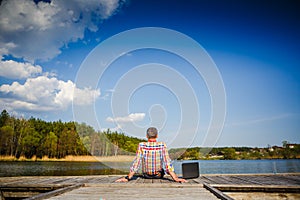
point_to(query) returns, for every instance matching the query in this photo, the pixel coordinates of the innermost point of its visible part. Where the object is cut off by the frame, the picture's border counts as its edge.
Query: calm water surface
(245, 166)
(97, 168)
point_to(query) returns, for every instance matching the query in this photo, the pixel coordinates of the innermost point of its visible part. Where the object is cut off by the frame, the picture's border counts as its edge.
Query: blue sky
(254, 45)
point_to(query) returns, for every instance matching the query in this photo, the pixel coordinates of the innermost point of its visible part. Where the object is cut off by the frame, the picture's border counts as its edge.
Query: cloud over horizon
(44, 93)
(130, 118)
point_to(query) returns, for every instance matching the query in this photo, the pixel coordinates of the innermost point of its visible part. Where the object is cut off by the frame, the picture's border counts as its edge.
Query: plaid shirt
(154, 157)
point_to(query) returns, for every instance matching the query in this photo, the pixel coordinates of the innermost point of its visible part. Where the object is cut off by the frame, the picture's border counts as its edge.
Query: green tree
(287, 153)
(4, 117)
(6, 140)
(245, 155)
(50, 145)
(31, 142)
(131, 146)
(229, 154)
(19, 127)
(284, 143)
(255, 154)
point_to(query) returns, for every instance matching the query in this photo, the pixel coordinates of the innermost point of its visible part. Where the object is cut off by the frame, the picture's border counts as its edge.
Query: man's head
(151, 133)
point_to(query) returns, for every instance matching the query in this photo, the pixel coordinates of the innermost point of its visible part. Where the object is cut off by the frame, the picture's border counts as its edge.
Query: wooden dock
(267, 186)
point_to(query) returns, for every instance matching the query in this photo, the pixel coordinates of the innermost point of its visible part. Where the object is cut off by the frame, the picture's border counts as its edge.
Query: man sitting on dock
(155, 159)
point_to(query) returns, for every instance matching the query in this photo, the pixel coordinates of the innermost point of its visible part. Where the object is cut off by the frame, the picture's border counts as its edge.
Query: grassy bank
(73, 159)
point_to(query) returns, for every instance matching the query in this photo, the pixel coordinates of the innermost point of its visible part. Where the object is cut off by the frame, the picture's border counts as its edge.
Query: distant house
(271, 149)
(276, 147)
(291, 146)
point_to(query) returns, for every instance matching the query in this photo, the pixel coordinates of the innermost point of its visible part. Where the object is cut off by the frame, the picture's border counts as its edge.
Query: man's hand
(176, 179)
(121, 180)
(181, 180)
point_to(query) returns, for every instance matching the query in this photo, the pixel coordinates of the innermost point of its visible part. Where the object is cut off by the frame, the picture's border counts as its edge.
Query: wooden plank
(245, 180)
(219, 179)
(156, 181)
(63, 180)
(217, 192)
(257, 188)
(262, 195)
(292, 179)
(17, 180)
(147, 180)
(223, 179)
(196, 181)
(25, 191)
(122, 191)
(55, 192)
(17, 195)
(92, 180)
(47, 180)
(209, 179)
(251, 179)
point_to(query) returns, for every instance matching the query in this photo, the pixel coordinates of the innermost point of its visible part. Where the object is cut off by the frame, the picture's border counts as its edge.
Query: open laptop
(190, 170)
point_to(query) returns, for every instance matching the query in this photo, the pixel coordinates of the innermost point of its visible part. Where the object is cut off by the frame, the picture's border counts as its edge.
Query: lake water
(97, 168)
(245, 166)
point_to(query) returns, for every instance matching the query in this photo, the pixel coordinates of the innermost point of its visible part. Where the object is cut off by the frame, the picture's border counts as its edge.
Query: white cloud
(130, 118)
(85, 96)
(45, 94)
(18, 70)
(38, 31)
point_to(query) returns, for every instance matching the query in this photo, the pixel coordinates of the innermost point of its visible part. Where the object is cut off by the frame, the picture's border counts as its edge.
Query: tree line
(286, 151)
(35, 137)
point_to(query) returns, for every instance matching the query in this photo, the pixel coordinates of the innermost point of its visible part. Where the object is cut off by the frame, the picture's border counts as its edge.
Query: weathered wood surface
(97, 187)
(263, 196)
(126, 191)
(267, 179)
(55, 192)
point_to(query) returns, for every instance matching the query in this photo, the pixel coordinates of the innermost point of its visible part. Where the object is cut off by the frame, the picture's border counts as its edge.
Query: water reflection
(245, 166)
(97, 168)
(57, 168)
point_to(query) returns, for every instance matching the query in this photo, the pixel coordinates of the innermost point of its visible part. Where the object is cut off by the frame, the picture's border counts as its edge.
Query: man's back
(153, 156)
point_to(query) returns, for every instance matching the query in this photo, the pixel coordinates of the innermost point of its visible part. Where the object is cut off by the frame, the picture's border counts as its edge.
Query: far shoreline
(118, 158)
(70, 158)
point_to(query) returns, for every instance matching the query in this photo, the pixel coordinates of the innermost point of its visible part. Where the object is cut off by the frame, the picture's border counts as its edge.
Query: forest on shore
(37, 138)
(33, 137)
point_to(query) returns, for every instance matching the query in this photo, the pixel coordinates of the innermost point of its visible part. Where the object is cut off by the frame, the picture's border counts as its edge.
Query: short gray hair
(151, 132)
